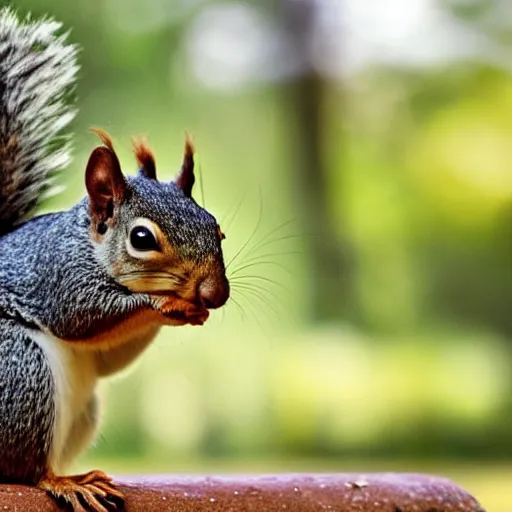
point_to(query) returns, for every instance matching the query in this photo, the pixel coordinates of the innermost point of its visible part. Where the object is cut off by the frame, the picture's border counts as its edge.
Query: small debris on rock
(356, 484)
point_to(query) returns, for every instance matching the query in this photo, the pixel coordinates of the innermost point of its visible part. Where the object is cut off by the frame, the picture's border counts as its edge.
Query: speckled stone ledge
(271, 493)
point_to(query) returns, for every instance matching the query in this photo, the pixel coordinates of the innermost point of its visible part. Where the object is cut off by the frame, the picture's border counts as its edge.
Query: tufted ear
(185, 178)
(104, 180)
(145, 158)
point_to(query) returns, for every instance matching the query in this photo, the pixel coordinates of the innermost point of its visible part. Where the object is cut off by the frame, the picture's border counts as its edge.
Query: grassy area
(488, 482)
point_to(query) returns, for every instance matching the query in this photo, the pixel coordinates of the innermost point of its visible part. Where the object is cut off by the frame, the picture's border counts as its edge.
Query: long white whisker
(237, 209)
(260, 216)
(255, 317)
(236, 303)
(254, 264)
(261, 292)
(262, 278)
(272, 231)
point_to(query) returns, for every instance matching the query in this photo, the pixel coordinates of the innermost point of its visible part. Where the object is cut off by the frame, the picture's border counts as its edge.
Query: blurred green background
(358, 157)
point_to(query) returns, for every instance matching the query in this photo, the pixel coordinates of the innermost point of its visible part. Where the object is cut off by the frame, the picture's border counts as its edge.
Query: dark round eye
(142, 239)
(102, 228)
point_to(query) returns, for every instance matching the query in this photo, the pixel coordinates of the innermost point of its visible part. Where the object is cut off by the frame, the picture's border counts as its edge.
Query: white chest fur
(75, 376)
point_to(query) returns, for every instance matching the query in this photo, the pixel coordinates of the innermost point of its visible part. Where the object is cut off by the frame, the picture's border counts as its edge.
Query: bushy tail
(37, 76)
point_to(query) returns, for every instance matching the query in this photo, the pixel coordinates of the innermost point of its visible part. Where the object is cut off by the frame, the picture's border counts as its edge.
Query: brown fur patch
(145, 158)
(149, 282)
(189, 147)
(137, 324)
(105, 138)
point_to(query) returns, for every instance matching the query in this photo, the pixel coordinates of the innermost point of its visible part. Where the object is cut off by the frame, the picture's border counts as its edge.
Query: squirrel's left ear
(104, 180)
(185, 179)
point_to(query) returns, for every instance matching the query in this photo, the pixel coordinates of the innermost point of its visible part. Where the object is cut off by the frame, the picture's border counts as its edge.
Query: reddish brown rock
(271, 493)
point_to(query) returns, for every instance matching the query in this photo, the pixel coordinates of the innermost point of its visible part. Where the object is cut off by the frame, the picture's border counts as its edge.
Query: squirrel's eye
(142, 239)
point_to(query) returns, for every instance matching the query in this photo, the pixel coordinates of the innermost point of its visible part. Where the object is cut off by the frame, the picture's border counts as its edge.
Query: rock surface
(271, 493)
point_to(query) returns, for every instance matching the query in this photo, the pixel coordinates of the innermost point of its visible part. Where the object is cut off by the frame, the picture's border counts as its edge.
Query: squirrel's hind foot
(90, 492)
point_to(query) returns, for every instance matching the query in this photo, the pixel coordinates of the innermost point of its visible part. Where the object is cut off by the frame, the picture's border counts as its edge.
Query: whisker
(201, 188)
(262, 278)
(262, 298)
(257, 286)
(271, 254)
(272, 231)
(261, 291)
(271, 315)
(260, 215)
(254, 264)
(280, 239)
(235, 213)
(255, 317)
(236, 303)
(260, 259)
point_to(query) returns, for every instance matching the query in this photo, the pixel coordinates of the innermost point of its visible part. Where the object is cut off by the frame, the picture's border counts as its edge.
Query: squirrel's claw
(91, 492)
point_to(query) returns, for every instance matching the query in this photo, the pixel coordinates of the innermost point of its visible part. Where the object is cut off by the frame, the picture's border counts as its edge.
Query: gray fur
(188, 227)
(26, 405)
(37, 74)
(63, 288)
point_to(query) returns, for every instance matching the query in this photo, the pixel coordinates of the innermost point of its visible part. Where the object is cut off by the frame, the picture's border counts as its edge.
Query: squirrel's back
(37, 75)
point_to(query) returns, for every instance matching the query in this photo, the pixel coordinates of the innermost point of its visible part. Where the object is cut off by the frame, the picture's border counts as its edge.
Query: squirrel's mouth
(179, 311)
(192, 314)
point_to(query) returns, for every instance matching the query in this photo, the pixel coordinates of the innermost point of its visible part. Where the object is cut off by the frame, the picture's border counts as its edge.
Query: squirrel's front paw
(181, 312)
(91, 492)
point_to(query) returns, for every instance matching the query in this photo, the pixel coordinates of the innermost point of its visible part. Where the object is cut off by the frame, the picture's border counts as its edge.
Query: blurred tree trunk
(329, 277)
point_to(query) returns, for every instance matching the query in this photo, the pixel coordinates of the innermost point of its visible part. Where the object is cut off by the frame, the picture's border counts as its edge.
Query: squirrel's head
(151, 235)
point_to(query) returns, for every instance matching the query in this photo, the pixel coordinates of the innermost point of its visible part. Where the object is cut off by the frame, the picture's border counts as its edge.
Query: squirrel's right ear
(105, 183)
(185, 179)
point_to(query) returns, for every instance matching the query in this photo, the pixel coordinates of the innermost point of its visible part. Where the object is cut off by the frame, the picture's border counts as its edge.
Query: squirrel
(84, 291)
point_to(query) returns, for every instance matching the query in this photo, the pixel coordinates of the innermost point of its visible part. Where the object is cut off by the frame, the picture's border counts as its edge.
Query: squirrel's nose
(214, 293)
